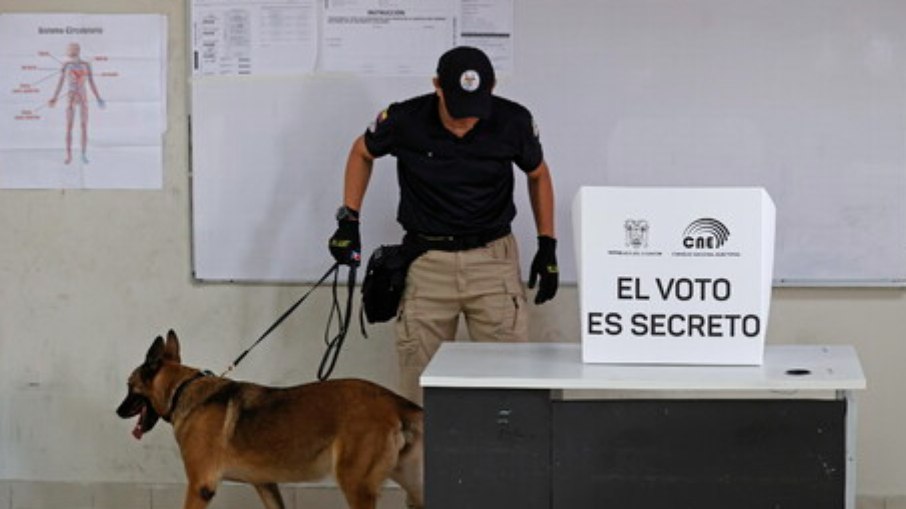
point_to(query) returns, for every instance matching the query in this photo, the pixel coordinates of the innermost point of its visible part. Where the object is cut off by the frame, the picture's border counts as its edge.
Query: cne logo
(636, 233)
(705, 233)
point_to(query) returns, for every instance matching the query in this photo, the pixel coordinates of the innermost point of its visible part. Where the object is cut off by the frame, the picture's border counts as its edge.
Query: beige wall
(88, 278)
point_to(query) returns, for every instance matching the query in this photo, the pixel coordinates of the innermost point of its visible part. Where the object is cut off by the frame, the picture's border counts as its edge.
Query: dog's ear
(153, 359)
(171, 351)
(156, 352)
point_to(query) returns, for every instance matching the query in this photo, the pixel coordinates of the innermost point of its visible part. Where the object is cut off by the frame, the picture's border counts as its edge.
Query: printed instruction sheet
(362, 37)
(245, 37)
(488, 24)
(397, 38)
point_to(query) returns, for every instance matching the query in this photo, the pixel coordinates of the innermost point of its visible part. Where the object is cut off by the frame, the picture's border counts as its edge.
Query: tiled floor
(51, 495)
(28, 495)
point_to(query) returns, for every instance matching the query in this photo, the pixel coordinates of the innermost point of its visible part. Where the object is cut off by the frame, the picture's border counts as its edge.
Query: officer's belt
(457, 242)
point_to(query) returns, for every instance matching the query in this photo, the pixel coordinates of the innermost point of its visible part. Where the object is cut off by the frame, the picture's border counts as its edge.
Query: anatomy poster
(82, 101)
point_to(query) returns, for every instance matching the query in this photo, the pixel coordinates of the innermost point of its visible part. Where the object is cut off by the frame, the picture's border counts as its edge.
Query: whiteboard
(804, 98)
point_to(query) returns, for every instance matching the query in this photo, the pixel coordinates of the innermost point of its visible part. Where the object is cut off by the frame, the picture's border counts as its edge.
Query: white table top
(560, 366)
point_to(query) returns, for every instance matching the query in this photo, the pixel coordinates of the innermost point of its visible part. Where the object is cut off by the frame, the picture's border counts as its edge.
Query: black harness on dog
(334, 344)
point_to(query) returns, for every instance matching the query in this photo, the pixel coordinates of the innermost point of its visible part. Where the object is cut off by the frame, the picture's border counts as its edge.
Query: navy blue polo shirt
(450, 185)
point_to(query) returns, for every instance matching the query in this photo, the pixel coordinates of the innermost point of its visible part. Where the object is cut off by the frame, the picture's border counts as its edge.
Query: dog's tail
(412, 420)
(409, 471)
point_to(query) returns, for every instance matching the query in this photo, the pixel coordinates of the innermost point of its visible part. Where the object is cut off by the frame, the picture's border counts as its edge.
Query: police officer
(455, 150)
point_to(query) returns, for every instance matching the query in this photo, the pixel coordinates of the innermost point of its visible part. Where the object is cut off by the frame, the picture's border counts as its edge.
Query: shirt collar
(437, 126)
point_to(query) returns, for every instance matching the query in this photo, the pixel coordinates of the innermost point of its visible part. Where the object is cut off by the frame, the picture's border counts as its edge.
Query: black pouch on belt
(385, 279)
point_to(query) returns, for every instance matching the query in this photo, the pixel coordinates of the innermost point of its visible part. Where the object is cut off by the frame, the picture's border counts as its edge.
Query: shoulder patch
(381, 117)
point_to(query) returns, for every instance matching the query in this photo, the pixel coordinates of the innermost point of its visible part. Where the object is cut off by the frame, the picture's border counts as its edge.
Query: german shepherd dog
(360, 432)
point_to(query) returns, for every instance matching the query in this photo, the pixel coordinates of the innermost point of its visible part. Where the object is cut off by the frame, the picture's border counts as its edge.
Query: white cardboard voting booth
(674, 275)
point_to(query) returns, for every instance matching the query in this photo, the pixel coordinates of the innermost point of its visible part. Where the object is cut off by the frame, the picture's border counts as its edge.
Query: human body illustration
(76, 73)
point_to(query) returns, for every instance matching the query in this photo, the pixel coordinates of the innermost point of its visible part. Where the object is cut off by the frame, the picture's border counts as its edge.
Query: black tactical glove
(544, 265)
(346, 244)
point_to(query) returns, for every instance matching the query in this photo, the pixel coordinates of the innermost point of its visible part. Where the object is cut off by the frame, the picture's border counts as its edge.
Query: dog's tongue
(137, 430)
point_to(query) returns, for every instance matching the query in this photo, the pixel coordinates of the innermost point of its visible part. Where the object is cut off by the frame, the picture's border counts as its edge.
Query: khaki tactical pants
(484, 284)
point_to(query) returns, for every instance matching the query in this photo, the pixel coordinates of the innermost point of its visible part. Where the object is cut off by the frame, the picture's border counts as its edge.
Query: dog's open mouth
(138, 405)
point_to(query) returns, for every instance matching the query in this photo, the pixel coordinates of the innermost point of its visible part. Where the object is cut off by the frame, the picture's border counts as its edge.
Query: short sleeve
(530, 154)
(380, 137)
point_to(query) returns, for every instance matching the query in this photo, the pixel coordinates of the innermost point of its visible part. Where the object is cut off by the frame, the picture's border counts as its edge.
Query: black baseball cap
(466, 76)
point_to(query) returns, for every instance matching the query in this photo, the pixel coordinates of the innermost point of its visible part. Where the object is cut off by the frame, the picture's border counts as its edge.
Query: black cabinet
(501, 449)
